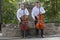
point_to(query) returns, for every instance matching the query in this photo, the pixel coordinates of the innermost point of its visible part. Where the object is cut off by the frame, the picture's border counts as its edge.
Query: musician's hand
(40, 13)
(20, 20)
(37, 17)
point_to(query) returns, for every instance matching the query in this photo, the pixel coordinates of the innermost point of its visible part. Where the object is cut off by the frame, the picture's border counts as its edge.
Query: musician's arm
(42, 11)
(33, 14)
(18, 16)
(27, 13)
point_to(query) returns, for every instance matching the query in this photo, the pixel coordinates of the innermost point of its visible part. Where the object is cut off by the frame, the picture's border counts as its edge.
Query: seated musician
(22, 16)
(37, 15)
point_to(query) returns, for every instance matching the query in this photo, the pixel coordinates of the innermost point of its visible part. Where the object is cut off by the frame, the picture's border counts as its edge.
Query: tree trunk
(0, 15)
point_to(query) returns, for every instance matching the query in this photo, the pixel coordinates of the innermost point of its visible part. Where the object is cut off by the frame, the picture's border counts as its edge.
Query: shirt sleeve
(27, 12)
(42, 10)
(18, 15)
(33, 14)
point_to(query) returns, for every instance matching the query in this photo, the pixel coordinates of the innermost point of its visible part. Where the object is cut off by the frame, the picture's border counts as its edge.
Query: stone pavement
(47, 37)
(54, 38)
(0, 34)
(16, 38)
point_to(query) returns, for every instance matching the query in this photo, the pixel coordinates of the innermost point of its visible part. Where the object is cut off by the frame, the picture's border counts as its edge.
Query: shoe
(37, 36)
(42, 37)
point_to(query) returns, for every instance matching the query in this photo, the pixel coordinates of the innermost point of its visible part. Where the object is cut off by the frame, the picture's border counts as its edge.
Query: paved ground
(52, 38)
(55, 38)
(47, 37)
(0, 34)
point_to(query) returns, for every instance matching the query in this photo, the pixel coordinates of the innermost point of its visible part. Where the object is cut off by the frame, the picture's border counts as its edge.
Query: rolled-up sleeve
(27, 12)
(42, 10)
(33, 14)
(18, 15)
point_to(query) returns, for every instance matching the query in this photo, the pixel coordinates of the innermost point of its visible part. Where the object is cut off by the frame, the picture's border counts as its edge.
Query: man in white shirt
(22, 16)
(35, 12)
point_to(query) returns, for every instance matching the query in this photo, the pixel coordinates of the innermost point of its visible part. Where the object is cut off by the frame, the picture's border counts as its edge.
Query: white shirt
(20, 13)
(35, 11)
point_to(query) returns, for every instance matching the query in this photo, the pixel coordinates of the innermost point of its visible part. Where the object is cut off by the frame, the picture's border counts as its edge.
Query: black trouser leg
(42, 32)
(37, 32)
(22, 33)
(28, 31)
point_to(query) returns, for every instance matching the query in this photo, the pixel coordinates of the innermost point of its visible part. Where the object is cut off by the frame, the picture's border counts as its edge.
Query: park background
(10, 7)
(9, 25)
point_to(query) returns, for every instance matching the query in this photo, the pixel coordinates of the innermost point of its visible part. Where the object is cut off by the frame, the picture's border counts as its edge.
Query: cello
(24, 22)
(40, 23)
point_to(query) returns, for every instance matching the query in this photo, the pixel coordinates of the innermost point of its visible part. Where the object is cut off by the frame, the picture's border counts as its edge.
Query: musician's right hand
(20, 20)
(37, 17)
(35, 20)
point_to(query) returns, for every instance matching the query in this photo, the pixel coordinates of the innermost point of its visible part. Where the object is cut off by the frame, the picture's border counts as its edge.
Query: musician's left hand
(20, 20)
(37, 17)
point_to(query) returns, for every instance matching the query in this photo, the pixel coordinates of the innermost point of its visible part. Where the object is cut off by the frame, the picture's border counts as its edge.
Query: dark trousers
(24, 33)
(37, 31)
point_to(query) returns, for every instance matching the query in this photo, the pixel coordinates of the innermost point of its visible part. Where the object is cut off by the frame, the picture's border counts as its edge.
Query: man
(38, 10)
(22, 15)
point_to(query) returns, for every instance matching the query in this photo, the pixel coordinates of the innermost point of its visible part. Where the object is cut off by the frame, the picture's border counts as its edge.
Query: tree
(0, 15)
(51, 10)
(9, 8)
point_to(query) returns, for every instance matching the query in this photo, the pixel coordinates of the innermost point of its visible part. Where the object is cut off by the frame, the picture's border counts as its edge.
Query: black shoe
(22, 36)
(37, 36)
(42, 37)
(28, 36)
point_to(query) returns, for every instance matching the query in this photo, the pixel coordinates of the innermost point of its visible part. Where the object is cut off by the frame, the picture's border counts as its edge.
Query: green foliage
(52, 10)
(9, 8)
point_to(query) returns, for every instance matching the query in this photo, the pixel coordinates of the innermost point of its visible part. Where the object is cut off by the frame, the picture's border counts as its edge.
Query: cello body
(40, 23)
(24, 23)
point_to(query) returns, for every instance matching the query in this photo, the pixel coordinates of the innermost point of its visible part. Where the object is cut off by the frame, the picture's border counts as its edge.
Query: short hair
(21, 4)
(37, 2)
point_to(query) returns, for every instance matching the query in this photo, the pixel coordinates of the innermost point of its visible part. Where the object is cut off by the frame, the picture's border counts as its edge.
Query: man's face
(22, 6)
(37, 4)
